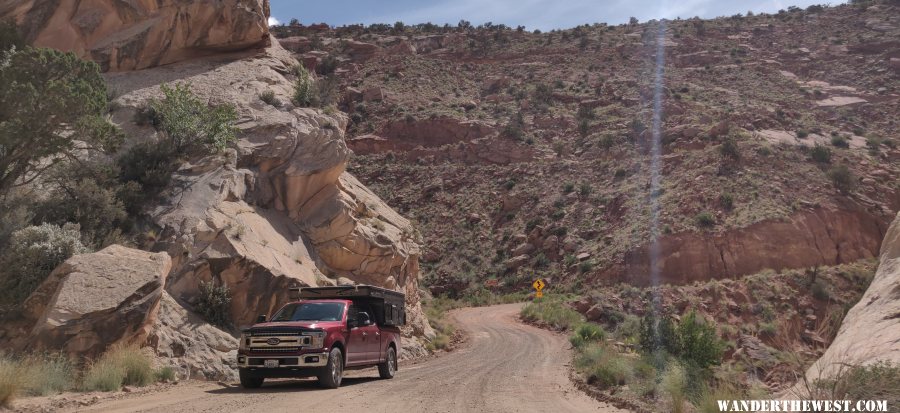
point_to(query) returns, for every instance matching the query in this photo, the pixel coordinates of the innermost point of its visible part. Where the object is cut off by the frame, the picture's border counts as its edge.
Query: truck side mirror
(364, 319)
(261, 318)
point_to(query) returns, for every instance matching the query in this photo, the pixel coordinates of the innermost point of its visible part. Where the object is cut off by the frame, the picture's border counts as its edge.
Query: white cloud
(273, 21)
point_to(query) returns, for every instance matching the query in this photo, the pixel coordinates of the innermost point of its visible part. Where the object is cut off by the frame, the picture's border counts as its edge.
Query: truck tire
(249, 381)
(387, 369)
(331, 377)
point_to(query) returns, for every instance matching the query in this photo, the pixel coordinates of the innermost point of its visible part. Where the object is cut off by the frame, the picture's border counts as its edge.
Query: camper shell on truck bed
(388, 305)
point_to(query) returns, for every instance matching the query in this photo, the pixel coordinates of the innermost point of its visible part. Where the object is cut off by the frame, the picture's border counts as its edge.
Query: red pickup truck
(322, 332)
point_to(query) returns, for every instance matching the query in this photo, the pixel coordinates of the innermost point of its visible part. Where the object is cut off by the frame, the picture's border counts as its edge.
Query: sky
(533, 14)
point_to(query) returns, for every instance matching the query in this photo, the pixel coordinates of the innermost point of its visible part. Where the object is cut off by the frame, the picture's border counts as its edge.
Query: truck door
(357, 340)
(371, 335)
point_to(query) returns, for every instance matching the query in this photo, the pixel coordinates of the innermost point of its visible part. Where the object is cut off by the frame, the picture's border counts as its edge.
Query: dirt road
(505, 366)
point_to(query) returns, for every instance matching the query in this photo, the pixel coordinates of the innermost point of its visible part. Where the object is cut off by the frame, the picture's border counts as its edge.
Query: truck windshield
(310, 312)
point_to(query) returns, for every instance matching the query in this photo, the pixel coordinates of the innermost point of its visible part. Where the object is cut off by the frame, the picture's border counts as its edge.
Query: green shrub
(820, 290)
(874, 144)
(842, 179)
(840, 142)
(585, 266)
(730, 150)
(726, 200)
(584, 189)
(32, 254)
(304, 93)
(587, 333)
(150, 165)
(568, 187)
(602, 366)
(213, 304)
(165, 374)
(50, 102)
(658, 333)
(190, 125)
(543, 94)
(629, 330)
(700, 345)
(268, 96)
(92, 202)
(692, 339)
(820, 154)
(541, 260)
(552, 313)
(584, 128)
(439, 342)
(120, 366)
(768, 329)
(705, 219)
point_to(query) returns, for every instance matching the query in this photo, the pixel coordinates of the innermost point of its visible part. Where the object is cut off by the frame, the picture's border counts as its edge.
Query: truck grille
(274, 350)
(267, 333)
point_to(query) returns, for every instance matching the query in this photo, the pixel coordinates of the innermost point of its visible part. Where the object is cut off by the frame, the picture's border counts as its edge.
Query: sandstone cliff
(870, 331)
(806, 239)
(278, 211)
(130, 35)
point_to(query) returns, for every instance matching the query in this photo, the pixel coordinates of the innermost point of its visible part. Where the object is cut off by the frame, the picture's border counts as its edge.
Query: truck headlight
(316, 339)
(245, 341)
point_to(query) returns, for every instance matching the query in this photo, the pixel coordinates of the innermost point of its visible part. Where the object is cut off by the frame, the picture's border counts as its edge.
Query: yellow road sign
(538, 285)
(538, 294)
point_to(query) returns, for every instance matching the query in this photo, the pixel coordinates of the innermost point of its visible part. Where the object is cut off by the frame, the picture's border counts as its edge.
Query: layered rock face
(281, 210)
(93, 301)
(870, 331)
(126, 35)
(817, 237)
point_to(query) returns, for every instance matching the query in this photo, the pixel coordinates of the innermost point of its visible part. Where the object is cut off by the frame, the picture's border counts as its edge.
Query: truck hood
(301, 324)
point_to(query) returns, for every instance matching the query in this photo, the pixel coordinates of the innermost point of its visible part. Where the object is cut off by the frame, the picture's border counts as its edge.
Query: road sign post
(538, 285)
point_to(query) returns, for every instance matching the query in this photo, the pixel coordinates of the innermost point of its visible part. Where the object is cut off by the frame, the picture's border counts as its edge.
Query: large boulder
(126, 35)
(871, 330)
(93, 301)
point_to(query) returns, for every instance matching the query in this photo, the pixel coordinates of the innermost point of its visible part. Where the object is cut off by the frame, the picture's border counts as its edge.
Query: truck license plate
(271, 363)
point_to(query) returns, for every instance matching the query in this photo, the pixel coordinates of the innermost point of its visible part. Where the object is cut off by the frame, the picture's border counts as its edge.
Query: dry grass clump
(37, 375)
(120, 366)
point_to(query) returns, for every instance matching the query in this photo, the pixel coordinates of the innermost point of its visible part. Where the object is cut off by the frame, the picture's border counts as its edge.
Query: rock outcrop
(181, 339)
(870, 332)
(815, 237)
(131, 35)
(279, 211)
(93, 301)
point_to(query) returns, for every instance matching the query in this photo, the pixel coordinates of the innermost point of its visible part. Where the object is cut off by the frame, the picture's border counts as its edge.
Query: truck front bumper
(263, 362)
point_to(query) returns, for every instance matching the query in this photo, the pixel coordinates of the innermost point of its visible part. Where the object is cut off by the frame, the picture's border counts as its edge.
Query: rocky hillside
(522, 154)
(274, 210)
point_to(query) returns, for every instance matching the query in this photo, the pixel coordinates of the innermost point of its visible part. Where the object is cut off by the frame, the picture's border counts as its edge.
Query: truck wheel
(249, 381)
(330, 378)
(387, 369)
